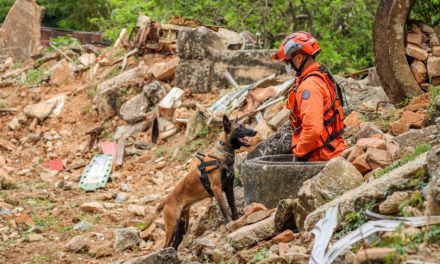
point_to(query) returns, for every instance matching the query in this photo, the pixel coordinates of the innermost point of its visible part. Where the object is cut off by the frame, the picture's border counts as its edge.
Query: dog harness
(209, 164)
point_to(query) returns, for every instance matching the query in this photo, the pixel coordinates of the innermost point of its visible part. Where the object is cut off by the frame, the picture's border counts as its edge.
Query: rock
(397, 128)
(355, 153)
(211, 219)
(82, 226)
(122, 197)
(362, 164)
(354, 120)
(250, 235)
(154, 92)
(7, 182)
(101, 250)
(126, 131)
(253, 207)
(278, 143)
(368, 130)
(415, 137)
(366, 143)
(41, 110)
(61, 72)
(415, 120)
(87, 59)
(415, 39)
(237, 224)
(35, 237)
(20, 32)
(284, 216)
(436, 51)
(337, 177)
(433, 66)
(433, 201)
(14, 124)
(398, 179)
(133, 75)
(284, 237)
(165, 256)
(280, 118)
(378, 158)
(419, 71)
(76, 244)
(91, 207)
(126, 238)
(257, 216)
(416, 52)
(135, 109)
(164, 71)
(392, 203)
(136, 209)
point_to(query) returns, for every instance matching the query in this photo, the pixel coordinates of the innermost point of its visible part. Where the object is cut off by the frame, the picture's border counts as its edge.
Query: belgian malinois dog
(213, 176)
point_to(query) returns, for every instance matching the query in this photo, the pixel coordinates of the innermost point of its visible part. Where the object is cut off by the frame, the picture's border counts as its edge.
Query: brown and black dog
(195, 186)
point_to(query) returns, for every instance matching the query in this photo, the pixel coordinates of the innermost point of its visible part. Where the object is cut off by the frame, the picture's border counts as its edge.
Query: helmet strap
(300, 68)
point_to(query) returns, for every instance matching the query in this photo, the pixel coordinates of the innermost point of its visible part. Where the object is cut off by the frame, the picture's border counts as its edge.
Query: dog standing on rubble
(214, 175)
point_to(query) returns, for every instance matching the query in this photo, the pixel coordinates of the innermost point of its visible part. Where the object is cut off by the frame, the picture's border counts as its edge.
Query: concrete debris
(61, 73)
(165, 256)
(338, 176)
(20, 31)
(49, 108)
(126, 238)
(250, 235)
(135, 109)
(77, 243)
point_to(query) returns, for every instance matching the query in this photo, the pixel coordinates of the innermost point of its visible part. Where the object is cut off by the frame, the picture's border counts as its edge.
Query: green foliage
(65, 41)
(420, 149)
(354, 220)
(427, 11)
(5, 5)
(203, 132)
(35, 76)
(193, 146)
(260, 255)
(434, 105)
(237, 179)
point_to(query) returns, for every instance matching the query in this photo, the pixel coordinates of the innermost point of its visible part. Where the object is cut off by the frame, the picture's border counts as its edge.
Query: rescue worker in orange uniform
(315, 101)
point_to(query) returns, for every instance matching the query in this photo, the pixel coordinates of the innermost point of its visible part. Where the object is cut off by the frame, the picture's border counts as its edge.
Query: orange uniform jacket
(312, 100)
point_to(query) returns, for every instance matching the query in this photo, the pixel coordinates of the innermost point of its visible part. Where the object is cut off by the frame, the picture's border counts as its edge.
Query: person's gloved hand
(299, 159)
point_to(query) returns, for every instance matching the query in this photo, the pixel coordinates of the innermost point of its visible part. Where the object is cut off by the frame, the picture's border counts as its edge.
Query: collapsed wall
(204, 57)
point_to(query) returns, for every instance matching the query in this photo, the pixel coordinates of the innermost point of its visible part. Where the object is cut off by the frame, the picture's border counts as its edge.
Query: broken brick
(416, 52)
(415, 120)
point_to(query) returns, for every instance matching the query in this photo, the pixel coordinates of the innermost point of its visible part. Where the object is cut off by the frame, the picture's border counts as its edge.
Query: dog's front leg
(216, 187)
(229, 190)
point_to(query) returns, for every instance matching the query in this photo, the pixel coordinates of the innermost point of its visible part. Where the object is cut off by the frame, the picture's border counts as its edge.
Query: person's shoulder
(312, 82)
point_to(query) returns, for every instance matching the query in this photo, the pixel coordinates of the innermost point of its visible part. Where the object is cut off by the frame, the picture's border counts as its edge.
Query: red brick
(284, 237)
(418, 70)
(416, 52)
(361, 164)
(436, 51)
(415, 38)
(378, 158)
(353, 120)
(415, 120)
(366, 143)
(434, 66)
(397, 128)
(355, 152)
(253, 207)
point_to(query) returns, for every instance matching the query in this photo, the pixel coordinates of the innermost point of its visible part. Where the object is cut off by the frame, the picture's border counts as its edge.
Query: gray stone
(61, 72)
(368, 130)
(415, 137)
(154, 92)
(76, 244)
(204, 58)
(126, 238)
(433, 202)
(14, 124)
(125, 187)
(165, 256)
(337, 177)
(122, 197)
(40, 110)
(82, 226)
(126, 131)
(373, 191)
(20, 35)
(250, 235)
(269, 179)
(278, 143)
(284, 216)
(135, 109)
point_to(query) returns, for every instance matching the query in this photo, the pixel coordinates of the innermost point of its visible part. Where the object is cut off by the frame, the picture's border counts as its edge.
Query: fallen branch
(62, 53)
(126, 56)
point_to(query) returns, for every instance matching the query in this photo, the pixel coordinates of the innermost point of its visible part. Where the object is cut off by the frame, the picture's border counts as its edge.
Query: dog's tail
(154, 216)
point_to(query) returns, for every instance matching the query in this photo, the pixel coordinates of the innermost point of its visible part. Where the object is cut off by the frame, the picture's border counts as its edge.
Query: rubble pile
(423, 52)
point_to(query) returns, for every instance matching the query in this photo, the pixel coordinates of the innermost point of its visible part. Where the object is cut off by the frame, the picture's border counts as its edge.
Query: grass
(91, 91)
(203, 132)
(435, 101)
(65, 41)
(193, 146)
(420, 149)
(416, 200)
(35, 76)
(2, 104)
(260, 255)
(354, 220)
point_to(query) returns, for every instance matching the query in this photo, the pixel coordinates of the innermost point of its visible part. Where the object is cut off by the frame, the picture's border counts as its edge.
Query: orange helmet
(297, 41)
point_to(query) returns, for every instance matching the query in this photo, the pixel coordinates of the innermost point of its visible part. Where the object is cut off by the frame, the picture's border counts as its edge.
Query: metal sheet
(96, 173)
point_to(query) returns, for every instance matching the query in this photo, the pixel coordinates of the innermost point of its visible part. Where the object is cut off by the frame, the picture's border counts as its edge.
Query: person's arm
(310, 99)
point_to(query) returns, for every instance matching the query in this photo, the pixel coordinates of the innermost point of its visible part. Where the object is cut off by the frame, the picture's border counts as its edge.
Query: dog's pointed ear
(226, 124)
